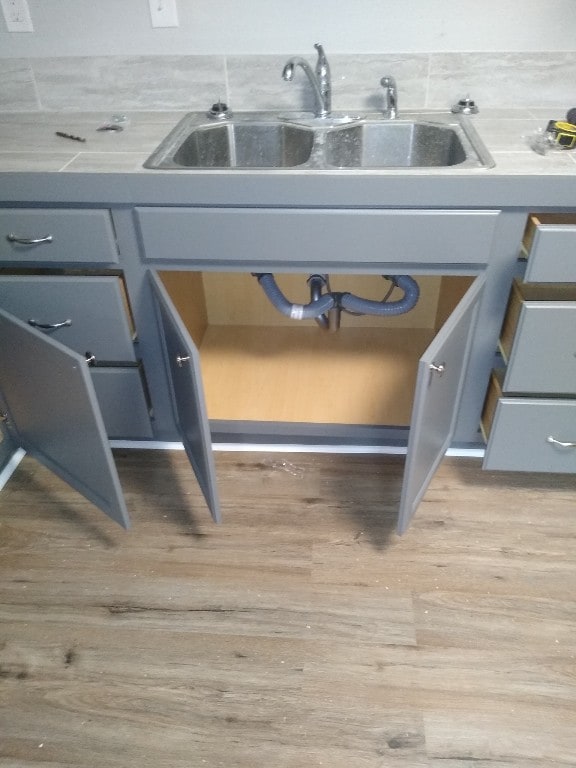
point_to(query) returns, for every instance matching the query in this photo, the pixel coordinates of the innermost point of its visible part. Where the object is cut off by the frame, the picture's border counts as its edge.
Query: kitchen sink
(394, 144)
(262, 141)
(245, 145)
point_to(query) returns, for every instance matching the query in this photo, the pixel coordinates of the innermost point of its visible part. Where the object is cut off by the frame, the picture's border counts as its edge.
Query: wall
(122, 27)
(105, 55)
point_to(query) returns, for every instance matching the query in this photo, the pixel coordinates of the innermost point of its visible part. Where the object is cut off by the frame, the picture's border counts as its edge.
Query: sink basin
(245, 145)
(263, 141)
(394, 144)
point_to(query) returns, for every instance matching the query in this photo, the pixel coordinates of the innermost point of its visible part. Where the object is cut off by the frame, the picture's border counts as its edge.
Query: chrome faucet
(390, 106)
(319, 80)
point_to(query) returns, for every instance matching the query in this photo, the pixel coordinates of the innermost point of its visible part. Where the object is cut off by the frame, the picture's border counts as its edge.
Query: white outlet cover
(163, 13)
(17, 15)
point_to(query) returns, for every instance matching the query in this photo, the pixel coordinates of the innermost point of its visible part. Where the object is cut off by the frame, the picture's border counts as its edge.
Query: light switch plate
(17, 15)
(163, 13)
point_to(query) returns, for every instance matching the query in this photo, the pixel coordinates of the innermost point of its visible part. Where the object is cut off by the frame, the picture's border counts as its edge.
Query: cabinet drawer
(517, 431)
(550, 245)
(122, 401)
(62, 236)
(93, 309)
(262, 236)
(538, 339)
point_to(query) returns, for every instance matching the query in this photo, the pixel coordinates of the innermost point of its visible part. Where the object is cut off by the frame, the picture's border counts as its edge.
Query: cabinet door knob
(560, 443)
(29, 240)
(49, 326)
(438, 368)
(182, 359)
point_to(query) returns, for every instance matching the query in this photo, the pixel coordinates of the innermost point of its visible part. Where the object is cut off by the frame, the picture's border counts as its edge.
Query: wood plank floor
(301, 632)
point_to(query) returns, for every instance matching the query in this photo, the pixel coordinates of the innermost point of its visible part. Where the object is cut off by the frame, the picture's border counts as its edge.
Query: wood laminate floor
(302, 632)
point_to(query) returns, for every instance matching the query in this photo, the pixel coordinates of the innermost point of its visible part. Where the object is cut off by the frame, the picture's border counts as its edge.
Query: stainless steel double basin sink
(266, 141)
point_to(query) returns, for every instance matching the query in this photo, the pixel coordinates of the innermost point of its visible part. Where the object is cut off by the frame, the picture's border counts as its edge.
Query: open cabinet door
(52, 413)
(183, 367)
(439, 386)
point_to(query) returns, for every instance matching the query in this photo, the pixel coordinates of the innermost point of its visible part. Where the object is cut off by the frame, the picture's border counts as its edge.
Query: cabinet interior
(259, 365)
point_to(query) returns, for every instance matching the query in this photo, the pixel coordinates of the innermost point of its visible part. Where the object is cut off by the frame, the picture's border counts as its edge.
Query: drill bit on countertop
(69, 136)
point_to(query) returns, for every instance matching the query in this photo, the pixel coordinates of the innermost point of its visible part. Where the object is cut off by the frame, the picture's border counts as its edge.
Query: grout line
(76, 156)
(227, 96)
(428, 74)
(35, 86)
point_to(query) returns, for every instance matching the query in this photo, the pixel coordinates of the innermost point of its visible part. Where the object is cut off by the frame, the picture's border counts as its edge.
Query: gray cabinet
(86, 313)
(58, 235)
(90, 315)
(342, 241)
(538, 340)
(435, 397)
(50, 410)
(550, 248)
(211, 236)
(529, 417)
(187, 395)
(438, 391)
(70, 376)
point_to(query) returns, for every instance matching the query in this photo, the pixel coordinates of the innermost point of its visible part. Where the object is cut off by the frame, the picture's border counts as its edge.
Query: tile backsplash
(425, 80)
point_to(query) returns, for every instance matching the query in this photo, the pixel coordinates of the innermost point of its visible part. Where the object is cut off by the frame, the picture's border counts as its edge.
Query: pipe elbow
(358, 305)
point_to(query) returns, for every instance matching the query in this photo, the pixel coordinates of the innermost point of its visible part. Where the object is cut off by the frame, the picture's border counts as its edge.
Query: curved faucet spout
(319, 80)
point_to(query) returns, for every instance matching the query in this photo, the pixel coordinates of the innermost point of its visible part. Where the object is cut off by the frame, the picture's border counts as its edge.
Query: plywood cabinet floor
(356, 376)
(302, 632)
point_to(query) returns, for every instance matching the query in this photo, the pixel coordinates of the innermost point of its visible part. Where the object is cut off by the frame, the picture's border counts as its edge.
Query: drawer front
(122, 401)
(552, 252)
(91, 311)
(519, 432)
(262, 236)
(61, 235)
(543, 356)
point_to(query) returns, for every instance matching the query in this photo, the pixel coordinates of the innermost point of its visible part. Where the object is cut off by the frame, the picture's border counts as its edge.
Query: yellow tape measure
(562, 133)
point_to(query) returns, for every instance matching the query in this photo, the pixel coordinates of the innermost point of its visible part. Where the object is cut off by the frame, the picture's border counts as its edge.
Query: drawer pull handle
(49, 326)
(29, 240)
(438, 368)
(182, 359)
(553, 441)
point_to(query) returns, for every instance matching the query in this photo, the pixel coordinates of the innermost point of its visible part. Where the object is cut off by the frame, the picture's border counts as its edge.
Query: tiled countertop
(36, 165)
(28, 142)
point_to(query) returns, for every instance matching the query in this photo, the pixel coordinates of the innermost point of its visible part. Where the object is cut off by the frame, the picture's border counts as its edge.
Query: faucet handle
(322, 66)
(324, 78)
(390, 108)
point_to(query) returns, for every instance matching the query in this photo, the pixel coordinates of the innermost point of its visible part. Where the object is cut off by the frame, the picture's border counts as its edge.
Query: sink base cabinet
(355, 376)
(217, 355)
